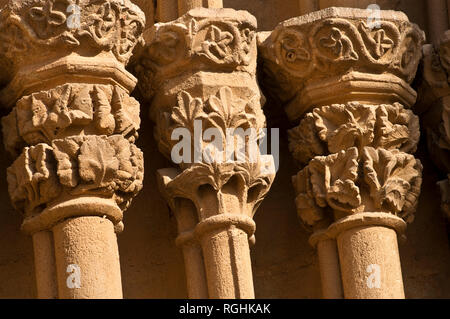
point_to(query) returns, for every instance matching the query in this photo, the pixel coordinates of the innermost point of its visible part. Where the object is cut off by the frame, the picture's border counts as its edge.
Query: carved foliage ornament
(330, 129)
(71, 109)
(233, 187)
(382, 181)
(36, 25)
(102, 166)
(223, 111)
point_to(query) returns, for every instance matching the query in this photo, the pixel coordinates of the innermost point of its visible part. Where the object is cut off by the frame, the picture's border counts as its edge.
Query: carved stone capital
(71, 33)
(81, 175)
(208, 40)
(349, 182)
(71, 110)
(335, 55)
(347, 81)
(334, 128)
(219, 189)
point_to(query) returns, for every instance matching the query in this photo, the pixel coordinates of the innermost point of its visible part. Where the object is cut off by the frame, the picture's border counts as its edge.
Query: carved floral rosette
(71, 169)
(222, 40)
(301, 54)
(71, 110)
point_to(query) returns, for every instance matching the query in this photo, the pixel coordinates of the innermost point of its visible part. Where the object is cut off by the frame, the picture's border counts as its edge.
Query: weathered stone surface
(377, 180)
(108, 167)
(365, 63)
(68, 110)
(94, 43)
(201, 70)
(330, 129)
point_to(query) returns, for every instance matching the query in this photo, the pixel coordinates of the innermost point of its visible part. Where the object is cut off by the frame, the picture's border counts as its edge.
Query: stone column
(347, 81)
(199, 74)
(72, 129)
(434, 109)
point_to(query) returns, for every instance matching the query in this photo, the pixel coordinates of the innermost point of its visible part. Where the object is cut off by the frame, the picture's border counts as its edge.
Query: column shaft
(370, 263)
(195, 271)
(330, 273)
(44, 265)
(228, 264)
(87, 259)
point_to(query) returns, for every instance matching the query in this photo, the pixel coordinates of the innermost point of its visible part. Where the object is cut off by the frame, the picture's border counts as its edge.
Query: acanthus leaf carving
(394, 179)
(32, 179)
(329, 181)
(83, 165)
(341, 126)
(345, 126)
(347, 182)
(69, 109)
(397, 128)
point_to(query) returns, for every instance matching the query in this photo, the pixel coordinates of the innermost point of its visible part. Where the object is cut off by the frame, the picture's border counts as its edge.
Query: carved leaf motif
(304, 142)
(187, 111)
(394, 180)
(59, 116)
(66, 152)
(344, 126)
(81, 108)
(98, 162)
(31, 179)
(126, 113)
(306, 205)
(226, 111)
(97, 165)
(39, 111)
(333, 180)
(104, 119)
(397, 128)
